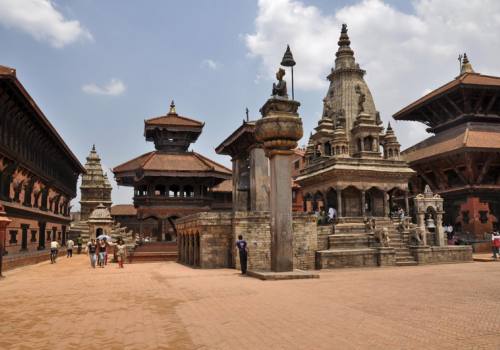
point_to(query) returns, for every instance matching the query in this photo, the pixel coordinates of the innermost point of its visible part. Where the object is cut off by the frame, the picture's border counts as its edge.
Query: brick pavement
(170, 306)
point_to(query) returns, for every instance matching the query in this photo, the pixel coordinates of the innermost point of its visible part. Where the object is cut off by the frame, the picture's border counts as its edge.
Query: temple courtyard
(169, 306)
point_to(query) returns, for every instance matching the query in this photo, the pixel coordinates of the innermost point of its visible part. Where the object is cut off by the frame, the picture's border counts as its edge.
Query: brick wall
(219, 232)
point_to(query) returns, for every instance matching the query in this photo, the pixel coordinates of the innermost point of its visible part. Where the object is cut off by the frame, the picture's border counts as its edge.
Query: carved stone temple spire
(345, 55)
(391, 144)
(466, 66)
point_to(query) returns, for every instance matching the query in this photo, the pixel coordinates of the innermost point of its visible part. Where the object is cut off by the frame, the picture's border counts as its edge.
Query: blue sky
(99, 68)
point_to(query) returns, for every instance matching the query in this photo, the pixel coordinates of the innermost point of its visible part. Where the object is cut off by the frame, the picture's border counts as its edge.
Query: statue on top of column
(279, 89)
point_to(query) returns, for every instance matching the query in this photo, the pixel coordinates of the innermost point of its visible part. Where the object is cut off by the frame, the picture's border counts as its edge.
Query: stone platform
(279, 276)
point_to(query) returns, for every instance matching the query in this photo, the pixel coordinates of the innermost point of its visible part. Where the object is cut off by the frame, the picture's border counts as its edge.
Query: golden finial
(172, 108)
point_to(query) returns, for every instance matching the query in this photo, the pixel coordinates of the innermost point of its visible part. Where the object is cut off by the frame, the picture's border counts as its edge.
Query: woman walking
(102, 252)
(91, 251)
(121, 252)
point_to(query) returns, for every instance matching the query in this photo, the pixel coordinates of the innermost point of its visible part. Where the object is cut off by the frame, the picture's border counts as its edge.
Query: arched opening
(351, 201)
(159, 190)
(396, 201)
(99, 231)
(331, 199)
(308, 203)
(173, 191)
(367, 143)
(374, 200)
(430, 225)
(337, 150)
(318, 202)
(360, 145)
(328, 148)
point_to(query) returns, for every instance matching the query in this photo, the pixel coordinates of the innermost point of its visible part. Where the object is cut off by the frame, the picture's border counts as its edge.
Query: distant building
(461, 161)
(38, 172)
(171, 182)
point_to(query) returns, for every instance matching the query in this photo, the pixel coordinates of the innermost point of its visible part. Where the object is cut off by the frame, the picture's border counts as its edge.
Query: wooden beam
(453, 104)
(470, 165)
(443, 179)
(453, 165)
(479, 102)
(486, 167)
(491, 103)
(443, 107)
(466, 98)
(426, 179)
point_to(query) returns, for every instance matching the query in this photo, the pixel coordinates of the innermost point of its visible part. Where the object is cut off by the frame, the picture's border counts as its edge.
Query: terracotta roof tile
(464, 79)
(178, 162)
(174, 120)
(224, 186)
(467, 139)
(123, 210)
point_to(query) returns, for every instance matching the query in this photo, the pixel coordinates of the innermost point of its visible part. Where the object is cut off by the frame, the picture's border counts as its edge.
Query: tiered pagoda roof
(172, 135)
(464, 114)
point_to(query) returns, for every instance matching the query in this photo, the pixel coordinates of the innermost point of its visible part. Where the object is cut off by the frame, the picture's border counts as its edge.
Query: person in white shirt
(332, 214)
(54, 247)
(69, 248)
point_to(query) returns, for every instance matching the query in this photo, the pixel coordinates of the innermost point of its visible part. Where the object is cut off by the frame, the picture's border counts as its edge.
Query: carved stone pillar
(279, 129)
(363, 202)
(439, 230)
(386, 204)
(339, 202)
(407, 204)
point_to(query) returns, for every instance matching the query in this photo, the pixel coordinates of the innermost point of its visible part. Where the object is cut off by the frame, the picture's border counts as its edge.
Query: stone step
(406, 263)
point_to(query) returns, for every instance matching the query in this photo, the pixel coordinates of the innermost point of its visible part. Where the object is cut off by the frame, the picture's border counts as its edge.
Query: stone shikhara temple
(461, 161)
(351, 165)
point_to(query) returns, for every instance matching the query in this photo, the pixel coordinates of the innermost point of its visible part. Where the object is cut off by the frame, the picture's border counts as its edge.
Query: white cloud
(115, 87)
(210, 64)
(404, 54)
(42, 20)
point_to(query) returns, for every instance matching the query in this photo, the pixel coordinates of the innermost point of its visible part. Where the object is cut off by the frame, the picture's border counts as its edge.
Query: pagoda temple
(171, 181)
(461, 161)
(345, 167)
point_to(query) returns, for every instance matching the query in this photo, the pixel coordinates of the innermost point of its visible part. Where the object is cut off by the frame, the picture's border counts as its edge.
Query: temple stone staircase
(399, 242)
(153, 252)
(351, 245)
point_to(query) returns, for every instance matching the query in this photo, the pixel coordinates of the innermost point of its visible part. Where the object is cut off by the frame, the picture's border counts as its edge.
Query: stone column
(363, 202)
(4, 221)
(386, 204)
(279, 129)
(259, 180)
(339, 202)
(407, 204)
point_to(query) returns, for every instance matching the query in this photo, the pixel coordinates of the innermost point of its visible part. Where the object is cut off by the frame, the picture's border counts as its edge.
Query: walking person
(495, 244)
(101, 250)
(241, 244)
(79, 243)
(121, 252)
(91, 251)
(69, 248)
(54, 250)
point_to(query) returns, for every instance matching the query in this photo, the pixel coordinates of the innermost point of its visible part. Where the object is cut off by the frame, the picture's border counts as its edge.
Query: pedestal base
(278, 276)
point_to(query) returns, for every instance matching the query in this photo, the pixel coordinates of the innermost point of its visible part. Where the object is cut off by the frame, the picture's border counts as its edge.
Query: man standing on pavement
(241, 244)
(69, 248)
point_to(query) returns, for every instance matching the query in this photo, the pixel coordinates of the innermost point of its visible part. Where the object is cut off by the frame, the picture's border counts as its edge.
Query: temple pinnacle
(389, 127)
(93, 147)
(172, 108)
(466, 66)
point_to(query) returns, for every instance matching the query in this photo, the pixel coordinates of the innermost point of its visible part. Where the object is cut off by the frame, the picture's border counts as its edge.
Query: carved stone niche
(430, 215)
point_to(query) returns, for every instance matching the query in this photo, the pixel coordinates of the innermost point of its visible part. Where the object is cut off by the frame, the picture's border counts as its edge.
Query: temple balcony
(149, 200)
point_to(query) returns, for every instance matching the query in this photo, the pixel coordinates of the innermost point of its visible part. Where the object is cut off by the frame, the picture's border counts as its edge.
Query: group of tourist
(97, 250)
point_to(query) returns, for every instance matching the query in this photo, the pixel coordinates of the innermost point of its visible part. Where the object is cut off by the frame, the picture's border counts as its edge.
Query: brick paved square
(170, 306)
